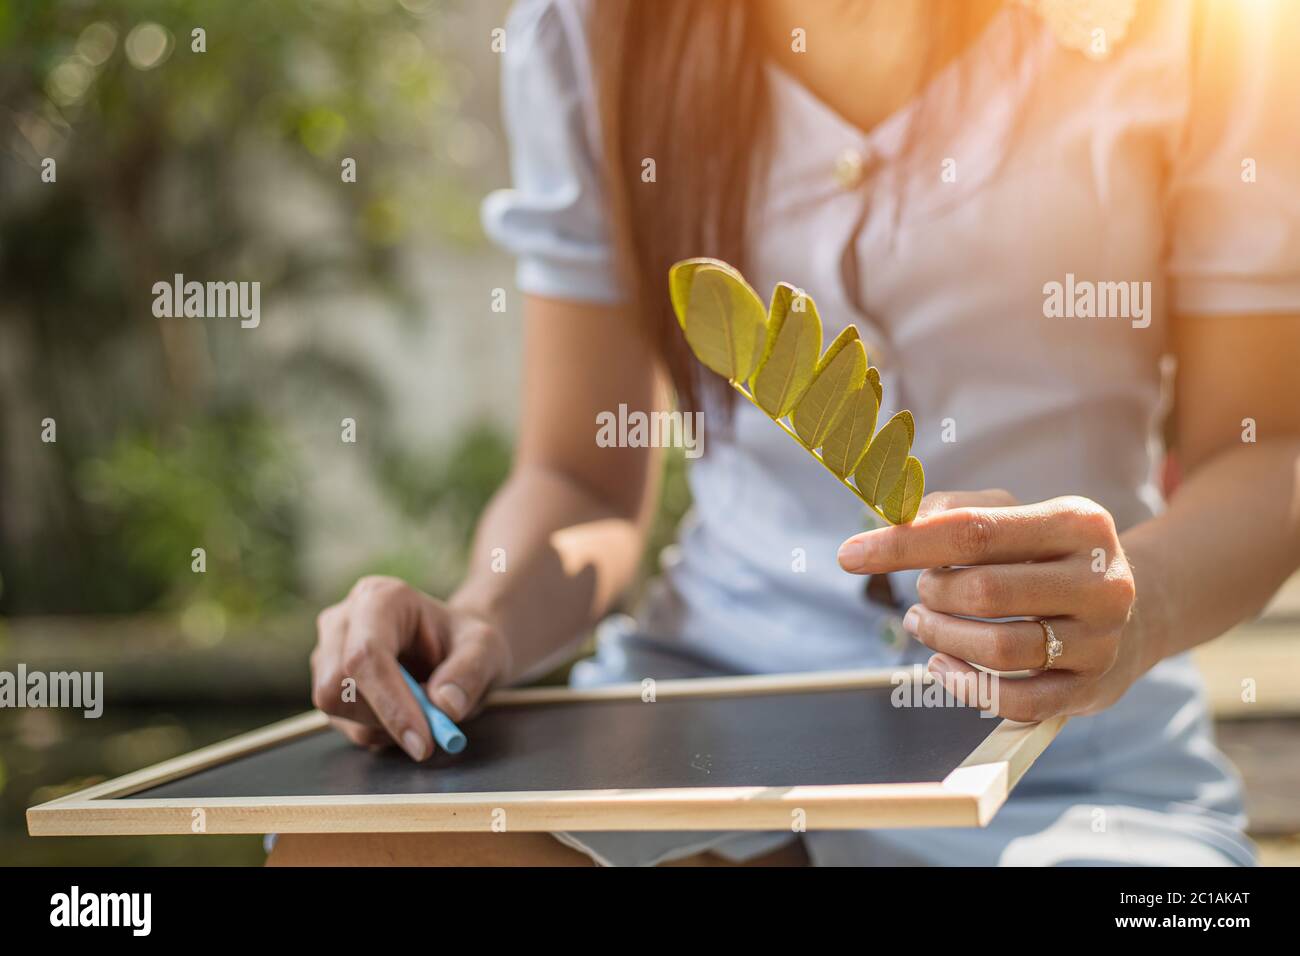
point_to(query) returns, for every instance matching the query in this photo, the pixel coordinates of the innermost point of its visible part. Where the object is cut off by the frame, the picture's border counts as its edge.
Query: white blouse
(1052, 179)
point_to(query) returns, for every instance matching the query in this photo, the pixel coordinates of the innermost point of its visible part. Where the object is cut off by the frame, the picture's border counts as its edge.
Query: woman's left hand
(985, 556)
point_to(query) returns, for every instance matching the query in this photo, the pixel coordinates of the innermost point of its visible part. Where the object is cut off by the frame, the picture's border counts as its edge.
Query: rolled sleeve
(1234, 193)
(553, 219)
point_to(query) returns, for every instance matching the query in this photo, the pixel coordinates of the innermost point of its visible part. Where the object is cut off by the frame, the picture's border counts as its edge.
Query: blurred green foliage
(674, 502)
(170, 160)
(459, 481)
(228, 485)
(444, 493)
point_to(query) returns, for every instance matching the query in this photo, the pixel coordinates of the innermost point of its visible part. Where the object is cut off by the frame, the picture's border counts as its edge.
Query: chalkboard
(723, 752)
(773, 740)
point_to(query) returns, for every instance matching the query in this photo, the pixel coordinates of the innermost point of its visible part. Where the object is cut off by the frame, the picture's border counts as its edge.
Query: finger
(400, 715)
(879, 590)
(963, 536)
(476, 659)
(370, 656)
(1005, 645)
(332, 691)
(1041, 589)
(1026, 700)
(937, 501)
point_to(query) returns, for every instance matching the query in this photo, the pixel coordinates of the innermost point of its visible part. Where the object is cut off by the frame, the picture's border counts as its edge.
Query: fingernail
(852, 555)
(453, 700)
(911, 619)
(413, 743)
(938, 667)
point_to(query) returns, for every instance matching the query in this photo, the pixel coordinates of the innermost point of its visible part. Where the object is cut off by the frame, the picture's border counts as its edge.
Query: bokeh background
(171, 435)
(376, 305)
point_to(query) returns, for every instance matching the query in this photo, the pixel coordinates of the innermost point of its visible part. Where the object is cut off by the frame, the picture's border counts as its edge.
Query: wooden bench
(1262, 736)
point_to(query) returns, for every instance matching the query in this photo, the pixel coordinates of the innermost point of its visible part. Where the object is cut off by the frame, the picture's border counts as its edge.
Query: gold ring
(1051, 644)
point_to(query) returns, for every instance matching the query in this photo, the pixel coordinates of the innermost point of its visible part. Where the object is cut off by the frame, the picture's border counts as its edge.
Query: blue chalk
(449, 736)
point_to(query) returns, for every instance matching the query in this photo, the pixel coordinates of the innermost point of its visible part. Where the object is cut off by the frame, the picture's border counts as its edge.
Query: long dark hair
(679, 82)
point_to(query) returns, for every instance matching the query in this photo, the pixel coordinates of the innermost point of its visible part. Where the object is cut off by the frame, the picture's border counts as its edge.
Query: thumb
(477, 658)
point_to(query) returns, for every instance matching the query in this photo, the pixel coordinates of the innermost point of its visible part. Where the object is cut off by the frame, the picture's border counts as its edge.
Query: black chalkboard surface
(771, 740)
(826, 750)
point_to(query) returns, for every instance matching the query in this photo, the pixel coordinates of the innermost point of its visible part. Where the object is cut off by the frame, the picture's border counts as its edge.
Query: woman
(959, 180)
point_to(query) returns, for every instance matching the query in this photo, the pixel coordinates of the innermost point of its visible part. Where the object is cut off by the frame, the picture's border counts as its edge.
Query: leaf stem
(816, 457)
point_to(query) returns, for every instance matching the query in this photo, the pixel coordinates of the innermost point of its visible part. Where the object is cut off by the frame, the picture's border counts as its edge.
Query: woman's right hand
(455, 654)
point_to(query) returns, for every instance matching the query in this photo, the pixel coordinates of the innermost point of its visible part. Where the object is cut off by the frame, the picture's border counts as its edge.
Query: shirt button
(851, 168)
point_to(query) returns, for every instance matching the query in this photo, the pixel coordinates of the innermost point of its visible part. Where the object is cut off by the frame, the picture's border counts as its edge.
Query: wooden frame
(968, 796)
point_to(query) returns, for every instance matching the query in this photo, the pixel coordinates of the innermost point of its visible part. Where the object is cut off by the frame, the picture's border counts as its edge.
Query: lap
(1052, 831)
(1075, 829)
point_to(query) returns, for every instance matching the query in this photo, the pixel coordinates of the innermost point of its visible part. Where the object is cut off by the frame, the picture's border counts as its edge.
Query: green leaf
(904, 499)
(724, 319)
(885, 459)
(841, 372)
(832, 402)
(794, 340)
(848, 440)
(682, 274)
